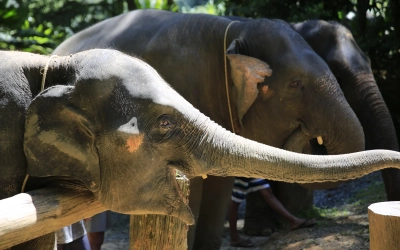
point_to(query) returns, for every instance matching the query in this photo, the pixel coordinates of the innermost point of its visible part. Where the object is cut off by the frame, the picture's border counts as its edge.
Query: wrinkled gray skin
(352, 69)
(295, 102)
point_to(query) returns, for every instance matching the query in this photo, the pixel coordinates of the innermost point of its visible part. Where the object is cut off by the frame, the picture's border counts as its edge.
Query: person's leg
(81, 243)
(277, 206)
(62, 247)
(233, 217)
(96, 227)
(96, 239)
(238, 194)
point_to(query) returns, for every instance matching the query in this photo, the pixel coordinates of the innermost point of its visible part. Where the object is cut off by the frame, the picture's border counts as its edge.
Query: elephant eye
(167, 122)
(295, 84)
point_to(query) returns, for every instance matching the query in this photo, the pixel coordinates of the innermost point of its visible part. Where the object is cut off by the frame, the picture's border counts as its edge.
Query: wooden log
(29, 215)
(156, 232)
(384, 225)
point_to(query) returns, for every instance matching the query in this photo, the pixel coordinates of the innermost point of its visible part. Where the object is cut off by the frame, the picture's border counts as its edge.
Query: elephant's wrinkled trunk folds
(225, 154)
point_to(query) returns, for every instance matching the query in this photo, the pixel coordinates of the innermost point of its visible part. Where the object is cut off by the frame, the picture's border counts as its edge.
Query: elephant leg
(214, 205)
(391, 179)
(196, 191)
(45, 242)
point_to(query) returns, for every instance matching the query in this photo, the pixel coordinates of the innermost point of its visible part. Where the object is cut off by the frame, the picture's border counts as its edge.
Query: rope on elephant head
(226, 76)
(24, 183)
(45, 72)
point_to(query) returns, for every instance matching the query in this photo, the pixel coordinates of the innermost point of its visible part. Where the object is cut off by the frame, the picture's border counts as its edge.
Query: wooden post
(155, 232)
(384, 225)
(29, 215)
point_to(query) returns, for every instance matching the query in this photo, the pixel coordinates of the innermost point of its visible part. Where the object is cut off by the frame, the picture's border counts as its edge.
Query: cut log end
(384, 225)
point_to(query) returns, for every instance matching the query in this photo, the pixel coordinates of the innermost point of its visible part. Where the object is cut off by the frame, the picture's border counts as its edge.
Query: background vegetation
(40, 25)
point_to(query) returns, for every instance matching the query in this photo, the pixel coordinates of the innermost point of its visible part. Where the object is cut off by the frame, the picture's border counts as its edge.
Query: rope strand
(226, 77)
(45, 72)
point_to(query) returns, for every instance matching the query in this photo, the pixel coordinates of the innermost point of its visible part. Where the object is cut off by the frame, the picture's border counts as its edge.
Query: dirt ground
(347, 231)
(351, 232)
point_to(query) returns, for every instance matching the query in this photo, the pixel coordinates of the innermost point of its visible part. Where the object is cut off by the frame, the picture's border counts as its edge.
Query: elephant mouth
(301, 142)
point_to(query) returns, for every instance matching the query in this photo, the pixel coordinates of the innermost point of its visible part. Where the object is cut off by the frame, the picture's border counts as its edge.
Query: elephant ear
(59, 139)
(246, 73)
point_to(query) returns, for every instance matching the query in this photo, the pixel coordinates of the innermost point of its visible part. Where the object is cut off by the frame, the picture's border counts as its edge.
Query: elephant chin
(301, 143)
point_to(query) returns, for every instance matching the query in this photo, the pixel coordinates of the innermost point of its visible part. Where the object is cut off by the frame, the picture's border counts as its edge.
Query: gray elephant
(352, 69)
(205, 57)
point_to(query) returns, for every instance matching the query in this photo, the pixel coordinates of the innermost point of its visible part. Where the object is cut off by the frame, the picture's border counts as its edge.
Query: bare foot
(302, 223)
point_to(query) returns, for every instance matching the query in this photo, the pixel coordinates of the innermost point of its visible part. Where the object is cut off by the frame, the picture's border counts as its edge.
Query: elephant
(335, 44)
(352, 69)
(259, 78)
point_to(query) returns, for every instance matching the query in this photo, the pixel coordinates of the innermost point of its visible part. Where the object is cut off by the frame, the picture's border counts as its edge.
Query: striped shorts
(243, 186)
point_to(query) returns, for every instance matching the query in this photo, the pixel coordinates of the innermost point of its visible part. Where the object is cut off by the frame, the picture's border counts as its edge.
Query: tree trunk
(294, 197)
(154, 232)
(384, 225)
(260, 217)
(131, 5)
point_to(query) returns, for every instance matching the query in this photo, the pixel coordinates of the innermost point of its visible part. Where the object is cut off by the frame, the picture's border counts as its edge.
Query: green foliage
(152, 4)
(290, 10)
(211, 7)
(39, 26)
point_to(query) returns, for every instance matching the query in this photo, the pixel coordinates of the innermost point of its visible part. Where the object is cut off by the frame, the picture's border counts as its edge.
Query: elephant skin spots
(130, 127)
(134, 142)
(52, 138)
(265, 92)
(33, 127)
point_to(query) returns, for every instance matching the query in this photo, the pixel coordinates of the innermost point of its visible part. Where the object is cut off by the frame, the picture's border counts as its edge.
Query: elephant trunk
(374, 114)
(345, 133)
(223, 153)
(378, 126)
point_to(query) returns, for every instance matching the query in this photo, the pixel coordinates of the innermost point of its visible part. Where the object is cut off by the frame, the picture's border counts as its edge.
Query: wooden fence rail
(29, 215)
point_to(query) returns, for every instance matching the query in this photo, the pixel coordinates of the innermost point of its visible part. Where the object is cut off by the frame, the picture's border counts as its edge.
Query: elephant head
(352, 69)
(295, 95)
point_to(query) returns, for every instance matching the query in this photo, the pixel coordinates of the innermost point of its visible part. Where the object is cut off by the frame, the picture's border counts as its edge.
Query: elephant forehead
(154, 88)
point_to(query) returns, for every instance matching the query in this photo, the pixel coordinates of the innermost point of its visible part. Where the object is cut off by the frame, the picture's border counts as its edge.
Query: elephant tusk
(320, 141)
(204, 176)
